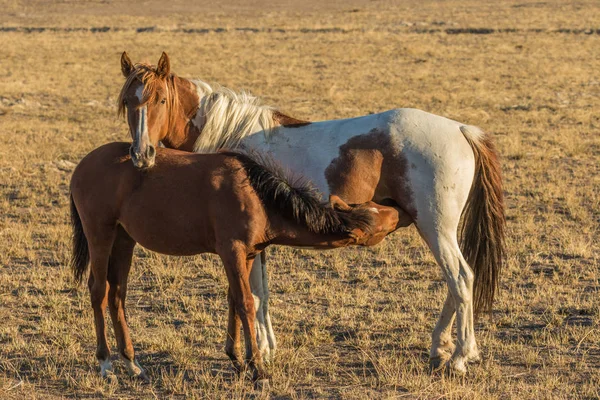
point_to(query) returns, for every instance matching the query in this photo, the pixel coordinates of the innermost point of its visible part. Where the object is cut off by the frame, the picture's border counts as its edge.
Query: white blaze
(141, 132)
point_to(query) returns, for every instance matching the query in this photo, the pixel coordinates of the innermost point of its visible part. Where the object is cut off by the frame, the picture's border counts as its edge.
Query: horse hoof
(262, 385)
(476, 359)
(455, 369)
(239, 367)
(110, 378)
(142, 377)
(436, 364)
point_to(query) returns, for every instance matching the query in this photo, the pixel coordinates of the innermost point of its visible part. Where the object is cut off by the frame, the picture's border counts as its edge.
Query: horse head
(146, 99)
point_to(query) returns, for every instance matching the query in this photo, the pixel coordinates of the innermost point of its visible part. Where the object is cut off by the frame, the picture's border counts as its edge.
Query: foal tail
(296, 199)
(81, 255)
(483, 229)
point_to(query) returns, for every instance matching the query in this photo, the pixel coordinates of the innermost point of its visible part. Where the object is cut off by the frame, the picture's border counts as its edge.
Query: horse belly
(174, 231)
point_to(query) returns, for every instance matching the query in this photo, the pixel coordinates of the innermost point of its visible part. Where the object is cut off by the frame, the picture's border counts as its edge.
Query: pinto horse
(433, 168)
(224, 203)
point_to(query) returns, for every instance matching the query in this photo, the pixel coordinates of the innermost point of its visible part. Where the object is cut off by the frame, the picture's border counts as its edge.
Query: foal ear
(126, 64)
(357, 235)
(337, 203)
(164, 65)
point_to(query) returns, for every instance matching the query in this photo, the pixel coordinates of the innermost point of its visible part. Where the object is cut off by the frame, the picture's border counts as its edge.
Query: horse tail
(296, 199)
(483, 228)
(80, 256)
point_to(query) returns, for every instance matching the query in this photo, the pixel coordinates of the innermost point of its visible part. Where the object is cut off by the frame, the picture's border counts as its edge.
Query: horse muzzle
(143, 159)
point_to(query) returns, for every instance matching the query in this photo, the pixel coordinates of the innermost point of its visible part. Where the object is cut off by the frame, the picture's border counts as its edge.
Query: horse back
(185, 204)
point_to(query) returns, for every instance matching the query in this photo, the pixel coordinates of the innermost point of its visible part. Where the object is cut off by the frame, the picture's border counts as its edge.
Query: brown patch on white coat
(368, 168)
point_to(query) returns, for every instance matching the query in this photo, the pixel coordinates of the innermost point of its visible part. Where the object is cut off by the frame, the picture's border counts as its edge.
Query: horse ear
(164, 65)
(337, 203)
(126, 64)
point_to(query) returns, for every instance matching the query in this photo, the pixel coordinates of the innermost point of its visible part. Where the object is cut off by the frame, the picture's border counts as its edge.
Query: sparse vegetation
(352, 323)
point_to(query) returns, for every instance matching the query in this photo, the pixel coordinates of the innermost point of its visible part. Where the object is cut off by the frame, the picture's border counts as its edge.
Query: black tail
(81, 255)
(298, 200)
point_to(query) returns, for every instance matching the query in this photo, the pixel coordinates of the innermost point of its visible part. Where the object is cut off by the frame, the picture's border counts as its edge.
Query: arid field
(350, 323)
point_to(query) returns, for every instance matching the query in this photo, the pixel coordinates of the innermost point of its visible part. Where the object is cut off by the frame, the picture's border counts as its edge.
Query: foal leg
(238, 269)
(233, 343)
(99, 249)
(119, 266)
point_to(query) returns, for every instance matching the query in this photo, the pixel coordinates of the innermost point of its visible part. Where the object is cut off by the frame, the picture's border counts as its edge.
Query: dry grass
(350, 323)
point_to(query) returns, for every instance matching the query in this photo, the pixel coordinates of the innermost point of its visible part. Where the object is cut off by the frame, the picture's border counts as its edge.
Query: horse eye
(163, 101)
(124, 102)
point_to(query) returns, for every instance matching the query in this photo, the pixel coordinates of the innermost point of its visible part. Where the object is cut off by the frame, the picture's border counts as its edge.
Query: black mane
(297, 199)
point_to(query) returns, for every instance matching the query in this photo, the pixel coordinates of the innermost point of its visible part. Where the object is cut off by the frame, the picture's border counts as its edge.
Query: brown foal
(223, 203)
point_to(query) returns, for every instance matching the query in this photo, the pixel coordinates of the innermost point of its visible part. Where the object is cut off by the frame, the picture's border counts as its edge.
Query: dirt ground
(350, 323)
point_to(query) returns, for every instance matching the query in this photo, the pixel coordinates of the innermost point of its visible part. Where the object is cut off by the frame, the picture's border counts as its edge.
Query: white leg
(270, 333)
(441, 177)
(442, 346)
(439, 230)
(258, 292)
(466, 349)
(460, 285)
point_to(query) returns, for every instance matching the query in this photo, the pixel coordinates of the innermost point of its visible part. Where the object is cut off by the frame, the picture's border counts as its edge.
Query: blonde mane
(229, 117)
(152, 81)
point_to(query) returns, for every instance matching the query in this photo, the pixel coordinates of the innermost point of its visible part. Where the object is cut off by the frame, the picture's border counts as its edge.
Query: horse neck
(226, 118)
(182, 132)
(224, 127)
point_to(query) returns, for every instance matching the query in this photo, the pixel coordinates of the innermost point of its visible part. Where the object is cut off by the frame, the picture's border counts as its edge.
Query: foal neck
(288, 233)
